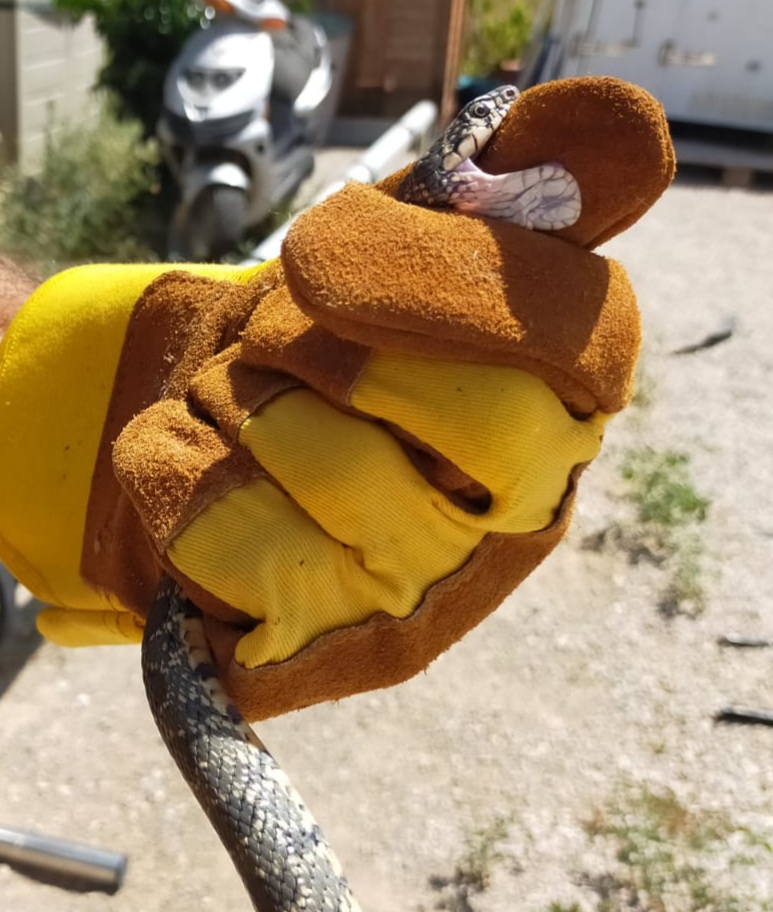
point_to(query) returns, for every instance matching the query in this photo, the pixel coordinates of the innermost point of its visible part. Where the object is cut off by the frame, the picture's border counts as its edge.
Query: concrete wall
(47, 67)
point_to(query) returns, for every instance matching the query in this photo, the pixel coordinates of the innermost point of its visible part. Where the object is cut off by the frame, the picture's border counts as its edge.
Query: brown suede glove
(351, 457)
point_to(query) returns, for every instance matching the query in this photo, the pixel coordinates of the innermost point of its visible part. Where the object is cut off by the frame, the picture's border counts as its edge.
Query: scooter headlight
(212, 80)
(224, 79)
(196, 79)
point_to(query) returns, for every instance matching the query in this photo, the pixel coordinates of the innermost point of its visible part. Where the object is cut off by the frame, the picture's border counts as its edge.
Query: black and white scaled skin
(545, 198)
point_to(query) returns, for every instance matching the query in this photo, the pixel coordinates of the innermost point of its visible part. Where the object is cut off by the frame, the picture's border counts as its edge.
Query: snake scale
(274, 842)
(545, 197)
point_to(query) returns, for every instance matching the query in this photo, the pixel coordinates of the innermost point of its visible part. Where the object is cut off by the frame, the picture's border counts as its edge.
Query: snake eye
(479, 109)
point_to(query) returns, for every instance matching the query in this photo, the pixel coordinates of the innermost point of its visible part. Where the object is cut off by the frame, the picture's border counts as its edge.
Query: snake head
(473, 127)
(432, 179)
(546, 197)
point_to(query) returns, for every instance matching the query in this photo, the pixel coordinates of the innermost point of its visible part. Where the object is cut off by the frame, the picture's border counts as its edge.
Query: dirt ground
(575, 687)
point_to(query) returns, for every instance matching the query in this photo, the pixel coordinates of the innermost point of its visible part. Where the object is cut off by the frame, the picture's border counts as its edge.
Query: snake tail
(274, 842)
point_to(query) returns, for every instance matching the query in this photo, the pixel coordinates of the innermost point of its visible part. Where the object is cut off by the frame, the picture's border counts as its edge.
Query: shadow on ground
(18, 636)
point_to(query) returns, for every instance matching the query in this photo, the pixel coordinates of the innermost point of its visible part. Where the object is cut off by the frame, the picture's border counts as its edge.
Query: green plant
(668, 856)
(141, 39)
(668, 511)
(662, 490)
(497, 31)
(473, 870)
(82, 204)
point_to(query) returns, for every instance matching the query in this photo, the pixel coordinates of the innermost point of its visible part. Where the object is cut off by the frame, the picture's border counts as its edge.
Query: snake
(274, 842)
(546, 197)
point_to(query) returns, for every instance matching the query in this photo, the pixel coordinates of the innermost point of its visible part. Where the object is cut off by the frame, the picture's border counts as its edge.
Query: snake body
(273, 840)
(275, 844)
(546, 197)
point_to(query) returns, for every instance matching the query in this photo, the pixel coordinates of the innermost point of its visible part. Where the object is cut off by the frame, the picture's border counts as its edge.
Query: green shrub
(669, 511)
(82, 205)
(141, 37)
(662, 489)
(498, 30)
(669, 856)
(474, 870)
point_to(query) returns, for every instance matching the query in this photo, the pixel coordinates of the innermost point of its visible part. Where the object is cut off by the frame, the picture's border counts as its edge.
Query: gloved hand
(347, 458)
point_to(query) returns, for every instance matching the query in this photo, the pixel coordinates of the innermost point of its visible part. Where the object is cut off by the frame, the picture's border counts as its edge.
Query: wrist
(15, 287)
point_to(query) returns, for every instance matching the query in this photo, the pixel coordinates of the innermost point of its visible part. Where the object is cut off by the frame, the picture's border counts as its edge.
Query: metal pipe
(378, 160)
(98, 868)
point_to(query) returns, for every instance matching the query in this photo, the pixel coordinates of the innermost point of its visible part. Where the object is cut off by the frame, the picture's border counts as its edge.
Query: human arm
(16, 286)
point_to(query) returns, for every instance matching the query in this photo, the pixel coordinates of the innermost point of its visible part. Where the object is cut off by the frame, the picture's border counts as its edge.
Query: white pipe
(378, 160)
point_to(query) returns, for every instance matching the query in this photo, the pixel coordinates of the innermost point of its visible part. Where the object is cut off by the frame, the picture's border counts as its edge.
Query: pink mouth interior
(468, 166)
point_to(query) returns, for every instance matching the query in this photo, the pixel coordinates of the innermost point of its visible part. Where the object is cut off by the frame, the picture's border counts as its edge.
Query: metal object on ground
(723, 332)
(745, 715)
(740, 641)
(378, 160)
(95, 869)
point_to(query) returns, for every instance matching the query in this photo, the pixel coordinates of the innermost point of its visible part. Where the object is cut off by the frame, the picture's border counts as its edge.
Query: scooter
(237, 143)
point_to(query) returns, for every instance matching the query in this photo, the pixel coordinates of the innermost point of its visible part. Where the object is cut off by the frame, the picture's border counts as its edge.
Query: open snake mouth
(546, 197)
(467, 135)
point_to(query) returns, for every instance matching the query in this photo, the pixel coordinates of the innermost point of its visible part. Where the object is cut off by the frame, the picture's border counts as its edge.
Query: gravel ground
(576, 687)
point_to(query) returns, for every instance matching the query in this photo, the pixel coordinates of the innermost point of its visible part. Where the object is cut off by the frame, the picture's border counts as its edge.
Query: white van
(707, 61)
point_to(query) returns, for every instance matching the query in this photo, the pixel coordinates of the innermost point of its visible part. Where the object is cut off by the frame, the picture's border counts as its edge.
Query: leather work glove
(349, 457)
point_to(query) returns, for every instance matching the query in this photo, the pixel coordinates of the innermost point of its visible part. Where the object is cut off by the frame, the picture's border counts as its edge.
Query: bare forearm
(15, 287)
